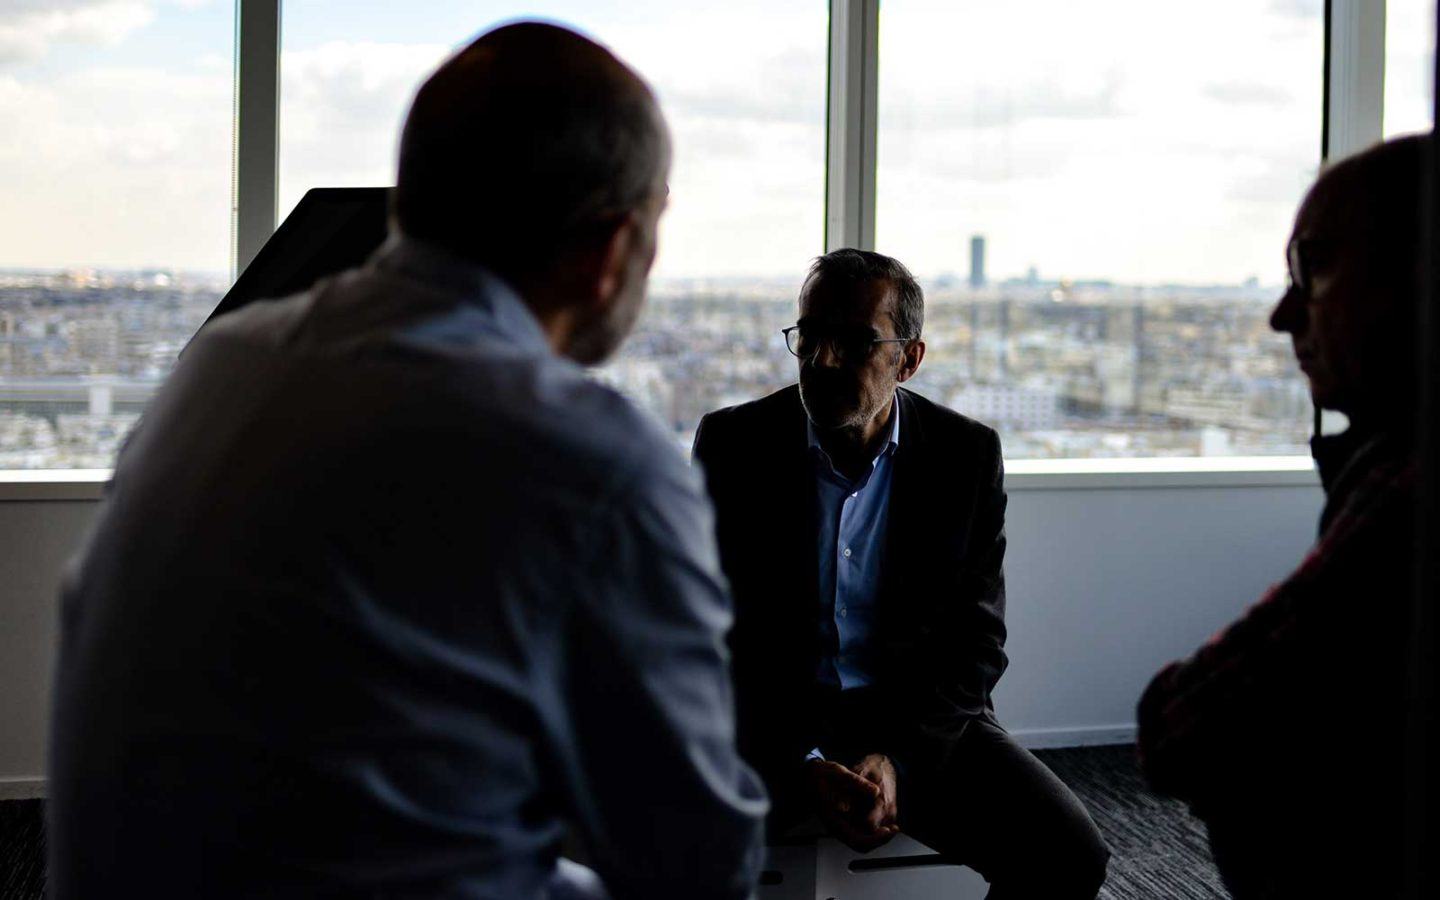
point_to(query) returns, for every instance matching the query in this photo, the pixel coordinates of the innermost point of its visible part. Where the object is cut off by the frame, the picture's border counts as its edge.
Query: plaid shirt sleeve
(1231, 706)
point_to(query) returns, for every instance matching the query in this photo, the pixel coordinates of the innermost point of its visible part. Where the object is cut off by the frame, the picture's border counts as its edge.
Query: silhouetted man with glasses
(862, 528)
(1285, 733)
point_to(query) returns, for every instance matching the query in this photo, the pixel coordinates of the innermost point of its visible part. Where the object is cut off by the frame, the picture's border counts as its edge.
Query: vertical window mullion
(1356, 76)
(257, 127)
(1354, 100)
(851, 124)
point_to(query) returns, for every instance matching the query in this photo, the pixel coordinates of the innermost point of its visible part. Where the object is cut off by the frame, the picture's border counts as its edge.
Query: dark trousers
(1000, 811)
(994, 807)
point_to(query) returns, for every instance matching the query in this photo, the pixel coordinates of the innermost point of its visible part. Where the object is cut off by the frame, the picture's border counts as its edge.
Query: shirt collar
(450, 273)
(890, 445)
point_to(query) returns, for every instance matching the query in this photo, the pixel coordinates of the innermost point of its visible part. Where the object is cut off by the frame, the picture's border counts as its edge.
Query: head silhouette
(537, 153)
(1355, 260)
(861, 315)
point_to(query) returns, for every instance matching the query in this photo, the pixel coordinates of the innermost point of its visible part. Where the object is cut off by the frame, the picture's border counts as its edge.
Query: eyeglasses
(850, 345)
(1303, 256)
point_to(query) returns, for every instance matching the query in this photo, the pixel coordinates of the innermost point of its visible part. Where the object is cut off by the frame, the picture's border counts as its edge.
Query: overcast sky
(1135, 140)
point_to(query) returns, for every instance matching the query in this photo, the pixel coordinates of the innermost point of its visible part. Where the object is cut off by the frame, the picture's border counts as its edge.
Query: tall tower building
(977, 261)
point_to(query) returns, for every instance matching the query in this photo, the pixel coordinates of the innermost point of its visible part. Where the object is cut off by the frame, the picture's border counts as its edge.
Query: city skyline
(1062, 370)
(1131, 197)
(1032, 273)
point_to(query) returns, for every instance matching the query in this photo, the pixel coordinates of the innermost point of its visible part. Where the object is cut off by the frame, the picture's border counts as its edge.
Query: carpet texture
(1158, 850)
(22, 849)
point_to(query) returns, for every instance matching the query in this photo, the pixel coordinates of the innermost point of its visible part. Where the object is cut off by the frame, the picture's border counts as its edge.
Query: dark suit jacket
(940, 622)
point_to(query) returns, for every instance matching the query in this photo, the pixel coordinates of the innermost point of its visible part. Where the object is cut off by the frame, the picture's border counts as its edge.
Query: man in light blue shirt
(853, 516)
(387, 595)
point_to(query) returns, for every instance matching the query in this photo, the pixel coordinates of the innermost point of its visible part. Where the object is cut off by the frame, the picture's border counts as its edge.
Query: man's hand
(880, 771)
(857, 806)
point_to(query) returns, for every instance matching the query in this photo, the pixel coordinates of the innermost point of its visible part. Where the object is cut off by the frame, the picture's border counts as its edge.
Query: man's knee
(1075, 863)
(1091, 865)
(1072, 849)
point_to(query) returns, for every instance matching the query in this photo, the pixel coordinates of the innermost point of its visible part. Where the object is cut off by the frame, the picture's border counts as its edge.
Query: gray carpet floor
(1158, 850)
(22, 849)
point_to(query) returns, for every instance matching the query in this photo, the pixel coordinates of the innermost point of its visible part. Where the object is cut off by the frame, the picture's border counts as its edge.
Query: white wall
(36, 537)
(1105, 585)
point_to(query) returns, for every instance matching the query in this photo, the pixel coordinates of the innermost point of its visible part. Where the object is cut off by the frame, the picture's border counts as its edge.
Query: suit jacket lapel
(798, 476)
(906, 479)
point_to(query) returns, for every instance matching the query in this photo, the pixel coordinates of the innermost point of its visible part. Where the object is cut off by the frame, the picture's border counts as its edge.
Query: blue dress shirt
(852, 516)
(385, 597)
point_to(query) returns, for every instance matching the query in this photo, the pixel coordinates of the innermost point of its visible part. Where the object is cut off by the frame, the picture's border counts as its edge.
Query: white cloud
(117, 167)
(341, 109)
(28, 28)
(1088, 143)
(1300, 9)
(748, 180)
(1243, 92)
(1409, 67)
(1094, 141)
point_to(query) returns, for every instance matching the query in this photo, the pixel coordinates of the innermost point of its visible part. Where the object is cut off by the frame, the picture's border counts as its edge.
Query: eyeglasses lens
(806, 341)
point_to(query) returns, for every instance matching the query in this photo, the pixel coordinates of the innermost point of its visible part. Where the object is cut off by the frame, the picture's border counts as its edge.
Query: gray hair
(851, 266)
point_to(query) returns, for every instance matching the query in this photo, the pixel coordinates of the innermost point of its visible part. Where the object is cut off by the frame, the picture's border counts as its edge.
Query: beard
(597, 339)
(836, 399)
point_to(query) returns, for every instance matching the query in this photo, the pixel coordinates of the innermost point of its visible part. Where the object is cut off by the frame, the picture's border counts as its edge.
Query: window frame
(1352, 119)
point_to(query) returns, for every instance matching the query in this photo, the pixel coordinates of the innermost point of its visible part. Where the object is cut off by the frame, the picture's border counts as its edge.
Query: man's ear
(911, 355)
(616, 238)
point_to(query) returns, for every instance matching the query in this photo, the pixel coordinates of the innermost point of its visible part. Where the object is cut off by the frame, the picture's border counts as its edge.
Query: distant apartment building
(1204, 407)
(1010, 408)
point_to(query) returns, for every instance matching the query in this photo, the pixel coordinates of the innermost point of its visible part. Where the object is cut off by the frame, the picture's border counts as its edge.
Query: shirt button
(847, 552)
(842, 612)
(854, 495)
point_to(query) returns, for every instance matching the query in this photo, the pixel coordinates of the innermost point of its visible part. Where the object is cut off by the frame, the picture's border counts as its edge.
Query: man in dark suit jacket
(862, 528)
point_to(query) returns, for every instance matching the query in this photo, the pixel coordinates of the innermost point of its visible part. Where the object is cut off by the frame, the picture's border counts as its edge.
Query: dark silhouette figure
(1284, 733)
(387, 595)
(862, 528)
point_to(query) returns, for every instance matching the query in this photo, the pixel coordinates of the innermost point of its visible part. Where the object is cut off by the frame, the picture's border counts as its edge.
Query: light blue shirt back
(379, 600)
(852, 516)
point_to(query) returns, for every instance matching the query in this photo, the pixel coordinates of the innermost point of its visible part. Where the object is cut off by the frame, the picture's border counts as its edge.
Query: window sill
(29, 485)
(1179, 472)
(25, 485)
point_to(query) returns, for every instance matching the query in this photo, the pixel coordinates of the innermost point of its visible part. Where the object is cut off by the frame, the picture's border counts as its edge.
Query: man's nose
(825, 355)
(1289, 314)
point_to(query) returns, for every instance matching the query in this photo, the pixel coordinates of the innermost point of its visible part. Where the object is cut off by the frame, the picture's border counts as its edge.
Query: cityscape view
(1123, 187)
(1061, 369)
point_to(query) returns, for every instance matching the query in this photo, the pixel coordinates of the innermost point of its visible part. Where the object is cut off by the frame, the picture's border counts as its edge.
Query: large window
(743, 87)
(115, 167)
(1097, 197)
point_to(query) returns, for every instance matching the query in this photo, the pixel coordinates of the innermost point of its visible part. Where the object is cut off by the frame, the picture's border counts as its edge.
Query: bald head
(524, 141)
(1370, 204)
(1355, 258)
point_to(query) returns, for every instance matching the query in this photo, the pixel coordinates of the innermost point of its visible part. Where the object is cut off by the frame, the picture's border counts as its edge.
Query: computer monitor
(328, 231)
